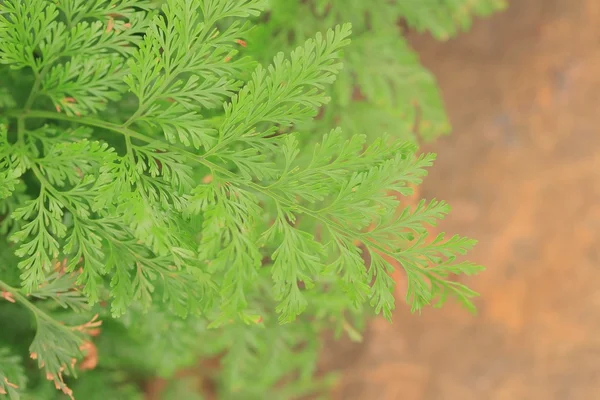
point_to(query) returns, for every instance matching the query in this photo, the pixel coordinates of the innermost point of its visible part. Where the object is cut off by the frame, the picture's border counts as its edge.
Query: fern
(12, 374)
(383, 87)
(152, 172)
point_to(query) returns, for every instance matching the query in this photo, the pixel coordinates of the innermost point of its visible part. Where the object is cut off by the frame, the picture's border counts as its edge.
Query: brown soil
(522, 171)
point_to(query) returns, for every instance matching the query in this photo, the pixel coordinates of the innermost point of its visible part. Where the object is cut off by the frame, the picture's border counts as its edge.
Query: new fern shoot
(162, 199)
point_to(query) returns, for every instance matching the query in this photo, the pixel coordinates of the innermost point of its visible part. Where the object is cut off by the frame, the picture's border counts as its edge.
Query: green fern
(383, 87)
(12, 374)
(151, 172)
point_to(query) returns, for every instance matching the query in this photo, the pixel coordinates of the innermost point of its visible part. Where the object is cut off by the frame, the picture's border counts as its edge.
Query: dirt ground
(522, 171)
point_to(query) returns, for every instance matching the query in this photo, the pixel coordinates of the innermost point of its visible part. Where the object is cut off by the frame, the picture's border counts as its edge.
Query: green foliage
(162, 180)
(12, 374)
(383, 87)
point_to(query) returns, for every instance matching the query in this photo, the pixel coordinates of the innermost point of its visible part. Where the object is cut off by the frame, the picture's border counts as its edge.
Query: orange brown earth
(522, 172)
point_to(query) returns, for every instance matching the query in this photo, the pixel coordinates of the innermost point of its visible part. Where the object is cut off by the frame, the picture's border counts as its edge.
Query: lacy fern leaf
(12, 374)
(158, 176)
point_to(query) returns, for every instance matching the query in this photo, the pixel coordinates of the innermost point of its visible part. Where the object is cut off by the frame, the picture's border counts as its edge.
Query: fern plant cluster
(174, 185)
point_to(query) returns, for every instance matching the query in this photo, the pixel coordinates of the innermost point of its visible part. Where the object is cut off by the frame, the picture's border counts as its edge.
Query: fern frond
(38, 237)
(12, 374)
(446, 18)
(288, 92)
(149, 171)
(185, 58)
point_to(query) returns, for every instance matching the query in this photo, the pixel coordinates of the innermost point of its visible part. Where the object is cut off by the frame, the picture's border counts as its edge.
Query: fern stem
(20, 129)
(16, 293)
(6, 287)
(37, 312)
(129, 149)
(117, 129)
(36, 87)
(81, 120)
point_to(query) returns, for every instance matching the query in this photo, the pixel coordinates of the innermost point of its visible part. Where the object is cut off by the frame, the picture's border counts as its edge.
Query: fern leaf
(288, 92)
(12, 375)
(445, 19)
(181, 59)
(38, 237)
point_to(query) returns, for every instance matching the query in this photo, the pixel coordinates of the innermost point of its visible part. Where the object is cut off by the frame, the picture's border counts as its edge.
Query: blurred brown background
(522, 172)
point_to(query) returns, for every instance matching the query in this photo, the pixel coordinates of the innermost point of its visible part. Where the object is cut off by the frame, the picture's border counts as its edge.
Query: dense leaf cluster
(160, 178)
